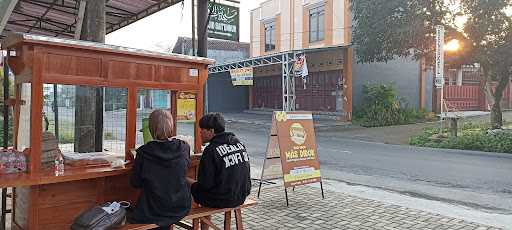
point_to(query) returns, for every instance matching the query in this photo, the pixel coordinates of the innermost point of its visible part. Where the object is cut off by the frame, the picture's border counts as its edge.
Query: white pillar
(459, 77)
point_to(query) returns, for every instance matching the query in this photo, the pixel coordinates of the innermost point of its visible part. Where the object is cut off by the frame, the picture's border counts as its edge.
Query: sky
(160, 31)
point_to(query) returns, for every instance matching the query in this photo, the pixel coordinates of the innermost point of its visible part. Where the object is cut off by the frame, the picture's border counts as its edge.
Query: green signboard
(224, 21)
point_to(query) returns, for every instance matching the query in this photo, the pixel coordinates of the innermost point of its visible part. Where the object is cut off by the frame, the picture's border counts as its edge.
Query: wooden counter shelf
(43, 200)
(49, 177)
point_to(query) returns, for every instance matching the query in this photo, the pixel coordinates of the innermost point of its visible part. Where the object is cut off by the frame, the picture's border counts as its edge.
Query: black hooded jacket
(224, 177)
(160, 170)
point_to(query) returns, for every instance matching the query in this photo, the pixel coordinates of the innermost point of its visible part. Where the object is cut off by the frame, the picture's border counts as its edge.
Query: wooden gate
(464, 97)
(472, 97)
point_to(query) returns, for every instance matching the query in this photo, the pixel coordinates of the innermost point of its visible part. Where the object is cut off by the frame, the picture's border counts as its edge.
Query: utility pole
(89, 101)
(202, 24)
(193, 29)
(6, 130)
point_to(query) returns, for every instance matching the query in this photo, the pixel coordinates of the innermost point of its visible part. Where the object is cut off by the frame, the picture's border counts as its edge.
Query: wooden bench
(203, 215)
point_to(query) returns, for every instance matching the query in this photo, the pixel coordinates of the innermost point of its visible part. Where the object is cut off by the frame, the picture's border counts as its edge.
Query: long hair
(161, 124)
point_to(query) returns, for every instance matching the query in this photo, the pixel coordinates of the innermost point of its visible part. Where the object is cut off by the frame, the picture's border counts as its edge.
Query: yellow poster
(186, 107)
(242, 76)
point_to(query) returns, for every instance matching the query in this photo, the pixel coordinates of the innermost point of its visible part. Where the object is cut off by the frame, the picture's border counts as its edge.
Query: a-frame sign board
(291, 151)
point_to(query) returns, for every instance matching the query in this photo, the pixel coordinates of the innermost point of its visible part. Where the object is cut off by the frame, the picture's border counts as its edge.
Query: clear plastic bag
(12, 161)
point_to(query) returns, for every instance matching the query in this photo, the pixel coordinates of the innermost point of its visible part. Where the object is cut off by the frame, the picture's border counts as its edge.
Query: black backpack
(101, 217)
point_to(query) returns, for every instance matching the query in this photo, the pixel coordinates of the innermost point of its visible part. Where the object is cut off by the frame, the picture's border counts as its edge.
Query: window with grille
(316, 24)
(270, 36)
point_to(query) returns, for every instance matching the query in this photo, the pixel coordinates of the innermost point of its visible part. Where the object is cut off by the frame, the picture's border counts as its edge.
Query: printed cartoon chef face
(297, 133)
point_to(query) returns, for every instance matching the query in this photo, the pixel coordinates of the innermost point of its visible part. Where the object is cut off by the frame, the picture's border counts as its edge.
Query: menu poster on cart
(186, 107)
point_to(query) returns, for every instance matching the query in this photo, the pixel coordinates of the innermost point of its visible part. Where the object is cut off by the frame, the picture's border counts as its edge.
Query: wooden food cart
(45, 200)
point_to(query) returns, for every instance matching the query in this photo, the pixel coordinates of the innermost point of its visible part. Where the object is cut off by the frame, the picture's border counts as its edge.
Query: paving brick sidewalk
(307, 210)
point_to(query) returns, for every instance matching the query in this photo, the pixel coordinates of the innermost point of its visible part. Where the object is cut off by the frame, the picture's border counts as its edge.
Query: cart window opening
(71, 125)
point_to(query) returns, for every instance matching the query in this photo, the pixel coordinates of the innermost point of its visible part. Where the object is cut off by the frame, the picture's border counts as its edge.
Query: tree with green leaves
(388, 29)
(489, 31)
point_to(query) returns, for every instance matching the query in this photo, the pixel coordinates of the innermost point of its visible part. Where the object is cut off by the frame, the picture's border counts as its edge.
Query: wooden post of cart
(48, 199)
(291, 151)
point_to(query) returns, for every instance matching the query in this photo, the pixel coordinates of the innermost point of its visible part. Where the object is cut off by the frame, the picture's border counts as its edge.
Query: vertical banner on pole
(291, 151)
(439, 78)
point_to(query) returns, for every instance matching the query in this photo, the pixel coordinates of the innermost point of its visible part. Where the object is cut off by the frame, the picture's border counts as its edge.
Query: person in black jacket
(160, 170)
(224, 177)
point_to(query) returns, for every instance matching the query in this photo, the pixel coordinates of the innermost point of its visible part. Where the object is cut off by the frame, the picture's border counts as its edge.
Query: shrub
(473, 137)
(66, 138)
(9, 131)
(109, 136)
(382, 107)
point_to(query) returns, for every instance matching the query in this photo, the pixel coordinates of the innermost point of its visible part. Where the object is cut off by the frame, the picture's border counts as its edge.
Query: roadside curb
(269, 123)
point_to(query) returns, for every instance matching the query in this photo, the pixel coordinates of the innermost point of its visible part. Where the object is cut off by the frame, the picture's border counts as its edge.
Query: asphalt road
(478, 180)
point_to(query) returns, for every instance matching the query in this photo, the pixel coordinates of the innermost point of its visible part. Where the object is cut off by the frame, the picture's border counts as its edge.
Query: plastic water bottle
(59, 165)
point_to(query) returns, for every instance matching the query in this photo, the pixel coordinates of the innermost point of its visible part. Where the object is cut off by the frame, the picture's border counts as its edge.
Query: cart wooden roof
(68, 61)
(58, 18)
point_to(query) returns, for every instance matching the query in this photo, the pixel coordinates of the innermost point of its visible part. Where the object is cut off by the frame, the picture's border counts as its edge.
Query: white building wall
(255, 37)
(298, 31)
(285, 14)
(270, 9)
(339, 22)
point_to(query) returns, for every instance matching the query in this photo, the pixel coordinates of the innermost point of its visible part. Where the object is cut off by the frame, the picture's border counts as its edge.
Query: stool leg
(171, 227)
(238, 217)
(195, 224)
(204, 226)
(227, 220)
(4, 207)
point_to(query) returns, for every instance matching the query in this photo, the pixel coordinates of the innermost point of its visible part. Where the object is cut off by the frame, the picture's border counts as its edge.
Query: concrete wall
(226, 56)
(222, 96)
(404, 74)
(429, 86)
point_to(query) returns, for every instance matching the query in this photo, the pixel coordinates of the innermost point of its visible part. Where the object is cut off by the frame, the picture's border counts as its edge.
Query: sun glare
(452, 45)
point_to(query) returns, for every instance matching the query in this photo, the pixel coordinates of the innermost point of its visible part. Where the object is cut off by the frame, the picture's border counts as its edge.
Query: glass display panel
(24, 120)
(86, 124)
(150, 100)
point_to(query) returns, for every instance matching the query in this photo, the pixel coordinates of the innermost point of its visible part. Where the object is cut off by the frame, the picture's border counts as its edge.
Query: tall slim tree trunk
(496, 113)
(89, 101)
(486, 86)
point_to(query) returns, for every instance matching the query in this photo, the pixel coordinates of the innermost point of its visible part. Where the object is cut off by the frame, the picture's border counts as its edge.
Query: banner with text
(242, 76)
(224, 21)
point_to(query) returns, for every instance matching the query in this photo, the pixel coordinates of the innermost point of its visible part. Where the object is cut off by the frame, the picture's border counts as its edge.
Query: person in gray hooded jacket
(160, 170)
